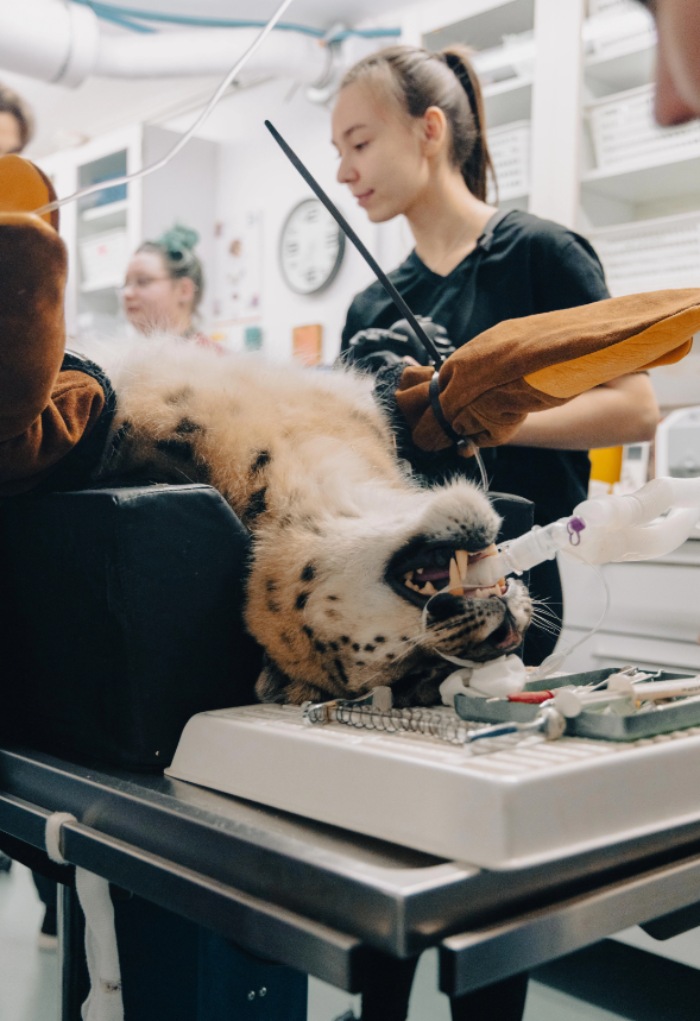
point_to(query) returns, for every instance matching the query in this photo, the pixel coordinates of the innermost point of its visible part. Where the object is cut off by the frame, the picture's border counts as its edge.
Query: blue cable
(119, 19)
(129, 18)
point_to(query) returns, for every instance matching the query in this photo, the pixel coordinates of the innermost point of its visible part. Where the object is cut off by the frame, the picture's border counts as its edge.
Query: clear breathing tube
(654, 520)
(181, 142)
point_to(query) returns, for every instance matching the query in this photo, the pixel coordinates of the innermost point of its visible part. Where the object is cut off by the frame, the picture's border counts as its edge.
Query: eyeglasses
(141, 283)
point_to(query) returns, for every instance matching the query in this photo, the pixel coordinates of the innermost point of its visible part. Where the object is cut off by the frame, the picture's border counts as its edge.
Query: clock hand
(359, 245)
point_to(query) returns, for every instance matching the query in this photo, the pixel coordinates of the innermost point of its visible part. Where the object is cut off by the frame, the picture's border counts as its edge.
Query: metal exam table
(325, 901)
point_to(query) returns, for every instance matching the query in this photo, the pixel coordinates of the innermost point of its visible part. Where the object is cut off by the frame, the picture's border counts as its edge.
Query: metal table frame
(326, 901)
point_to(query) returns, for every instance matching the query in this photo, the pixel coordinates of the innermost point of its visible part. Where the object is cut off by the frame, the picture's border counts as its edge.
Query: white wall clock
(311, 247)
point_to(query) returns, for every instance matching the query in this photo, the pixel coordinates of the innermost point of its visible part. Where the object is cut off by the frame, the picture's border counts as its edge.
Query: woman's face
(152, 299)
(10, 134)
(677, 60)
(381, 153)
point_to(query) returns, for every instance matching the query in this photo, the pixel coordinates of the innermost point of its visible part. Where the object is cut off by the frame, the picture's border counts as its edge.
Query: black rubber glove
(372, 349)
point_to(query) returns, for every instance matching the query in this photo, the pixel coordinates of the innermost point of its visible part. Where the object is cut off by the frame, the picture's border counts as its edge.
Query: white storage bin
(619, 35)
(649, 255)
(103, 259)
(610, 7)
(510, 151)
(624, 132)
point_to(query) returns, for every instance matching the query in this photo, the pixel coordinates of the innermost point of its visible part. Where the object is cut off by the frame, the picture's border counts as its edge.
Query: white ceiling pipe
(210, 52)
(62, 42)
(51, 40)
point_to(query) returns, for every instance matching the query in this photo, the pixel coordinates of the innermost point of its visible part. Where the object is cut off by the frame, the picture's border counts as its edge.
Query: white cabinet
(640, 184)
(645, 612)
(568, 97)
(502, 37)
(102, 229)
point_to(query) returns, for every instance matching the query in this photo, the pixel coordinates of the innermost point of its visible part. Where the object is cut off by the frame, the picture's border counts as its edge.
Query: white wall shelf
(483, 29)
(183, 190)
(509, 100)
(645, 255)
(108, 210)
(615, 72)
(648, 170)
(665, 178)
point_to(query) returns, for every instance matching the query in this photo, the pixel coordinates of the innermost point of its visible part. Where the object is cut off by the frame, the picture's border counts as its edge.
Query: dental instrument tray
(596, 722)
(501, 803)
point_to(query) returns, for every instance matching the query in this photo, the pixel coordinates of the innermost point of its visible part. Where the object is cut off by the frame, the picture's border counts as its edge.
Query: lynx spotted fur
(347, 549)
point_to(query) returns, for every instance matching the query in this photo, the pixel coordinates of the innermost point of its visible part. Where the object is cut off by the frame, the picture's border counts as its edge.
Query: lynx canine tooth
(456, 579)
(462, 558)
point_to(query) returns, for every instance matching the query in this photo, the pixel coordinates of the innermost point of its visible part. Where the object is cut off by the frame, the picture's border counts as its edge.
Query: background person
(164, 285)
(677, 59)
(409, 128)
(16, 122)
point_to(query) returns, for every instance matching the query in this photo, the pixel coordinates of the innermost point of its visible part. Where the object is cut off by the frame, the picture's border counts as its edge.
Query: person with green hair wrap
(164, 284)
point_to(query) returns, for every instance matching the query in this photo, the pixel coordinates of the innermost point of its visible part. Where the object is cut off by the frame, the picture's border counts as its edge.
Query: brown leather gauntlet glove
(485, 389)
(44, 412)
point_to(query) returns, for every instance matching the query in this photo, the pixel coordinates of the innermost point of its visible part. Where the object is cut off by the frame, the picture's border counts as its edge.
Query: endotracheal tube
(608, 529)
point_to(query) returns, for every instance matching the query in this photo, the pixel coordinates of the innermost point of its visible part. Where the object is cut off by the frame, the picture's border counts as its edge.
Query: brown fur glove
(485, 389)
(44, 410)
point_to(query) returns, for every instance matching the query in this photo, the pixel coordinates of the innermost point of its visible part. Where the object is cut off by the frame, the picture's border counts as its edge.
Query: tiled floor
(28, 975)
(543, 1004)
(609, 977)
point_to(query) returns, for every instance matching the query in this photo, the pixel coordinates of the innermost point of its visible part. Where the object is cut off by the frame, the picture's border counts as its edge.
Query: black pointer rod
(359, 245)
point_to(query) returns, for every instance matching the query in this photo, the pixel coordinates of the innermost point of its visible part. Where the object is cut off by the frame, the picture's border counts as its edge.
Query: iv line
(482, 468)
(556, 658)
(235, 70)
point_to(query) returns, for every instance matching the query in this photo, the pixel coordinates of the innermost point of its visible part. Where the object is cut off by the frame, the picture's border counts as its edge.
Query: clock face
(311, 247)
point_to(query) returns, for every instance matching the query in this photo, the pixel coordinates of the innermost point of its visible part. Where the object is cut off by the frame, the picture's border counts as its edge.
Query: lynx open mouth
(424, 568)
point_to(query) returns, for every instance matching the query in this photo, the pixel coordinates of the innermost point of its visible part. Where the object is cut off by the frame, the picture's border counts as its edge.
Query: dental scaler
(654, 520)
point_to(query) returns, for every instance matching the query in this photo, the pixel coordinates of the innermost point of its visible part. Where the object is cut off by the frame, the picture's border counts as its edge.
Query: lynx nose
(445, 605)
